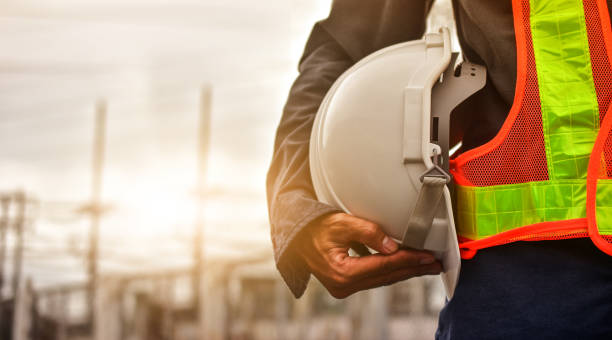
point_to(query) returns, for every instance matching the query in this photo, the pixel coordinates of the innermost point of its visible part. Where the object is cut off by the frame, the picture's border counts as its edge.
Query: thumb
(371, 235)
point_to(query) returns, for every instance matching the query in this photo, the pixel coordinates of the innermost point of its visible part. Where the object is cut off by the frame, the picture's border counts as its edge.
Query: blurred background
(134, 141)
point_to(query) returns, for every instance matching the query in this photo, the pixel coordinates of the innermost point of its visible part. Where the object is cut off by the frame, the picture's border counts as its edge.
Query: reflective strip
(603, 207)
(570, 112)
(486, 211)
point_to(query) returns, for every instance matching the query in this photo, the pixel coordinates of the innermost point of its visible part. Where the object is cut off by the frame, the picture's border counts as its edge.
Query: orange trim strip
(519, 93)
(592, 177)
(594, 161)
(574, 226)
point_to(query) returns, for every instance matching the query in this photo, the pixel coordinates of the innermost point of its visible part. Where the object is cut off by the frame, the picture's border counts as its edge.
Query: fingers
(399, 275)
(368, 233)
(341, 292)
(378, 264)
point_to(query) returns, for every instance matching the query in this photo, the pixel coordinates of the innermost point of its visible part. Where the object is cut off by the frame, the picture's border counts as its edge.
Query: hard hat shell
(370, 143)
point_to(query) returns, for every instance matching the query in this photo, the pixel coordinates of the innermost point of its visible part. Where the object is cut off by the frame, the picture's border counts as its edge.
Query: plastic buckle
(436, 171)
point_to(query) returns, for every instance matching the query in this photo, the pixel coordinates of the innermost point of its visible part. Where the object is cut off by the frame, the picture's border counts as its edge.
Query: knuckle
(340, 280)
(336, 230)
(370, 230)
(333, 219)
(406, 257)
(409, 256)
(342, 268)
(341, 276)
(345, 271)
(338, 261)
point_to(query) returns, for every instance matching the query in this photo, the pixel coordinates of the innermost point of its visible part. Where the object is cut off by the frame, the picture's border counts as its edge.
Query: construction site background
(134, 141)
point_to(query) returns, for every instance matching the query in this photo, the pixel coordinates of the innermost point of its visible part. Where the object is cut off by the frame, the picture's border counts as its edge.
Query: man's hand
(325, 245)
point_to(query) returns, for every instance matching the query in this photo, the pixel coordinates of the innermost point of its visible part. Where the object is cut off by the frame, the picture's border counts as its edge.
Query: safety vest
(547, 174)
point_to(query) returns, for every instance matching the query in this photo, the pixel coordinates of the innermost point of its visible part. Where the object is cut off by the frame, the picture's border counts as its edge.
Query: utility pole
(20, 201)
(198, 241)
(5, 201)
(95, 211)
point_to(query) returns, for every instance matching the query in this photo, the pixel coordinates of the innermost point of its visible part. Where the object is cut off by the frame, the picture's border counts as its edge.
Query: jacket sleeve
(353, 30)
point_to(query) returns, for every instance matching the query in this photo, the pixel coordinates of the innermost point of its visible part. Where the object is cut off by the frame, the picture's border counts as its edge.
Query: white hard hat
(371, 147)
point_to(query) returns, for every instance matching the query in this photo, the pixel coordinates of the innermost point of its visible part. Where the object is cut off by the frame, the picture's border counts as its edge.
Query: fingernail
(427, 260)
(389, 245)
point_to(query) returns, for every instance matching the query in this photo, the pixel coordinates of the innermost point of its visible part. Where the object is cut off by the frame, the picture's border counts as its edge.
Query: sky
(149, 61)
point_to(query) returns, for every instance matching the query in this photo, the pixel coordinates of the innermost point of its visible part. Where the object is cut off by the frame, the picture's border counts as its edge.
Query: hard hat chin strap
(424, 212)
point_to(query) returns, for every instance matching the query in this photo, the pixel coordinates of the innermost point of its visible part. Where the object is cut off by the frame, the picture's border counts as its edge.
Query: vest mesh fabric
(521, 156)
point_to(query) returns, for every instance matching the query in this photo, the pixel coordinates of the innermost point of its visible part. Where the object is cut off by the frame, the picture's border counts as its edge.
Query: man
(540, 289)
